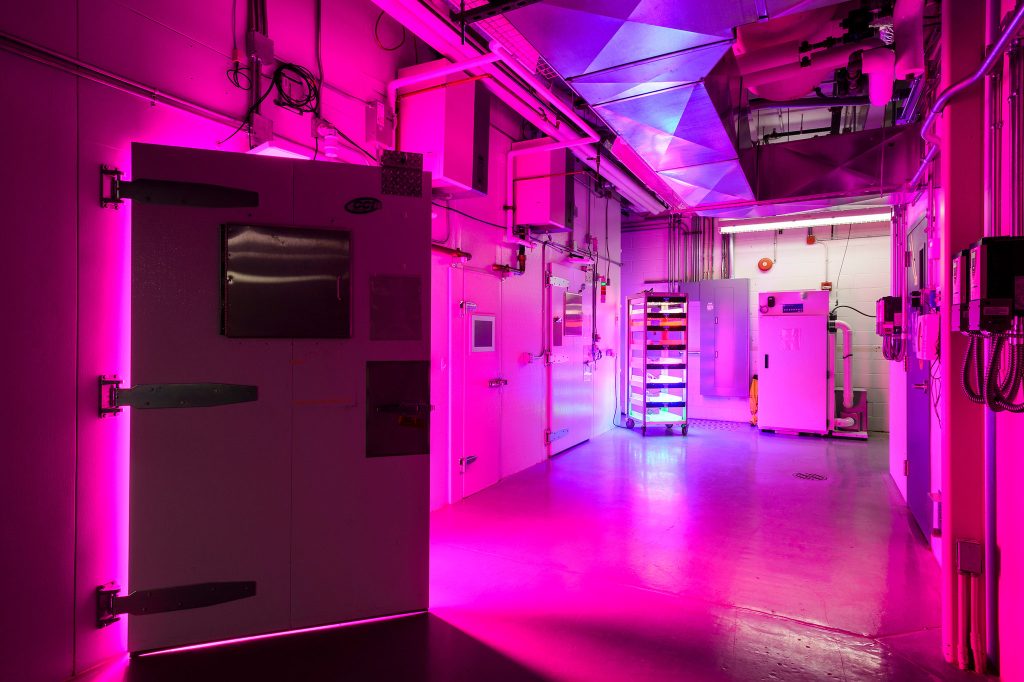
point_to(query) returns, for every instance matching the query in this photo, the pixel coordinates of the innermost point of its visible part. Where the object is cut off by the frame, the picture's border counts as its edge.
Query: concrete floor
(702, 558)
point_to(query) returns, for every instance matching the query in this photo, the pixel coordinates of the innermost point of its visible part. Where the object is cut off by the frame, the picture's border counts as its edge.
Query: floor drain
(811, 477)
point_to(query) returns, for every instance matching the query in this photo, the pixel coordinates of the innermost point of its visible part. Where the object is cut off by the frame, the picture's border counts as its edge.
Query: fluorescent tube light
(858, 217)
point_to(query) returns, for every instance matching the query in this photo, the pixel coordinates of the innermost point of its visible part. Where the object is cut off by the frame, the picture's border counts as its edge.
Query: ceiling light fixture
(859, 217)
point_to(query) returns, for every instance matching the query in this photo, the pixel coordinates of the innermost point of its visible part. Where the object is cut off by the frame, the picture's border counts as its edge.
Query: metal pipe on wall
(952, 91)
(993, 144)
(441, 35)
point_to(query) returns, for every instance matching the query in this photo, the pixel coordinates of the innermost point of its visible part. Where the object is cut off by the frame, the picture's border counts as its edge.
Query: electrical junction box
(889, 316)
(996, 275)
(543, 189)
(926, 337)
(447, 119)
(961, 291)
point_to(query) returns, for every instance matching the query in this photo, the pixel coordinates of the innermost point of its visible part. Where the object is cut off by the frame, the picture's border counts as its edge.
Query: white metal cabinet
(793, 352)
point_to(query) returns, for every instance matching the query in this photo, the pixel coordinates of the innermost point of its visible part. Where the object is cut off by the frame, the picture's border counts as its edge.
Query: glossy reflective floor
(702, 558)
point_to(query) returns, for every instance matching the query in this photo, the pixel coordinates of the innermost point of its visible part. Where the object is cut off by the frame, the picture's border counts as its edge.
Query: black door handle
(766, 361)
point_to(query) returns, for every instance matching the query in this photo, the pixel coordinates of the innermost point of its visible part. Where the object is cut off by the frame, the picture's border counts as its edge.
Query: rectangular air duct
(434, 119)
(543, 193)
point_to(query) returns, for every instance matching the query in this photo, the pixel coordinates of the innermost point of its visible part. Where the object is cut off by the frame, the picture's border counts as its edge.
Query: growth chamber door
(294, 492)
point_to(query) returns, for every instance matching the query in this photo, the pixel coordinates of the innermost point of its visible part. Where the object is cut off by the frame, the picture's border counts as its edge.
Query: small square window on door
(286, 282)
(573, 323)
(483, 332)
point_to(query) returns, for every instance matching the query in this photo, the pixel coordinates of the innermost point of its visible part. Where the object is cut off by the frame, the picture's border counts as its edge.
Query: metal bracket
(406, 409)
(113, 398)
(552, 436)
(557, 281)
(969, 557)
(488, 10)
(110, 605)
(114, 189)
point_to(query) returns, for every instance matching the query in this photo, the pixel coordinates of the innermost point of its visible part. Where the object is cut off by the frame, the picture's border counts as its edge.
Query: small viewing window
(483, 333)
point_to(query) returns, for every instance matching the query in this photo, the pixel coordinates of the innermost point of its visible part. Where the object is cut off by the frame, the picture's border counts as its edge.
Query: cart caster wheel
(630, 424)
(685, 429)
(668, 427)
(643, 430)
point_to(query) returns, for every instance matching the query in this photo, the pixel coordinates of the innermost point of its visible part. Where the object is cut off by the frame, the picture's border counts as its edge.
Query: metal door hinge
(114, 190)
(110, 605)
(552, 436)
(112, 397)
(406, 409)
(497, 383)
(906, 467)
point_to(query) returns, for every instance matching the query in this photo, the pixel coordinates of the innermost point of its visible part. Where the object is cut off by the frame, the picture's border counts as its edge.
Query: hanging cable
(296, 87)
(973, 366)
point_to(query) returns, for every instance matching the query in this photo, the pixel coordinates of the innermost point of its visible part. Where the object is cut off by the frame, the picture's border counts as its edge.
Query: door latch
(464, 462)
(113, 397)
(110, 605)
(497, 383)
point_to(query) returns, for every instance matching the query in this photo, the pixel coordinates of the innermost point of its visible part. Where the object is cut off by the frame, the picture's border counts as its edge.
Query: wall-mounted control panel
(889, 316)
(961, 294)
(995, 274)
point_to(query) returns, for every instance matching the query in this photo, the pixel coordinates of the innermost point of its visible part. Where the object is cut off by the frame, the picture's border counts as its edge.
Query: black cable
(308, 101)
(1000, 393)
(859, 312)
(236, 75)
(975, 355)
(318, 27)
(849, 232)
(355, 144)
(376, 35)
(467, 215)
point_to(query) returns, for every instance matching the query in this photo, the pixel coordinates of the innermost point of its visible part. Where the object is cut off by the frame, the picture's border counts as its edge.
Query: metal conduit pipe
(847, 363)
(952, 91)
(434, 29)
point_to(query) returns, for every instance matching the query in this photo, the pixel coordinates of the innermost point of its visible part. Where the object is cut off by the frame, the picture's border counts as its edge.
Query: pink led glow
(275, 635)
(274, 149)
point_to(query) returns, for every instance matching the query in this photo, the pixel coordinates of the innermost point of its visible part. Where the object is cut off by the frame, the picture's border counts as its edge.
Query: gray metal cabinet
(725, 337)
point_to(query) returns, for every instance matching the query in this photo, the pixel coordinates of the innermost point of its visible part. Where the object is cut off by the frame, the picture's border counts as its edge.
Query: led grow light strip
(835, 218)
(278, 634)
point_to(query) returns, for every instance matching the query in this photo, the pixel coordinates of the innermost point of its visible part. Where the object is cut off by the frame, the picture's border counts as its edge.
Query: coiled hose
(1000, 393)
(975, 356)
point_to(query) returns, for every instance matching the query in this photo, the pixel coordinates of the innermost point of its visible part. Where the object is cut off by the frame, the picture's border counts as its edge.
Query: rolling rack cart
(657, 362)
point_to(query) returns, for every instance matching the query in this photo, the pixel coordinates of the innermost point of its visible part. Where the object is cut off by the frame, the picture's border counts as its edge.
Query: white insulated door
(478, 457)
(570, 370)
(287, 491)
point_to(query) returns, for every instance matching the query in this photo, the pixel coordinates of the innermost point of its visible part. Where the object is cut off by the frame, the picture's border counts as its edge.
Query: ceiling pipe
(952, 91)
(442, 70)
(434, 29)
(809, 103)
(822, 61)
